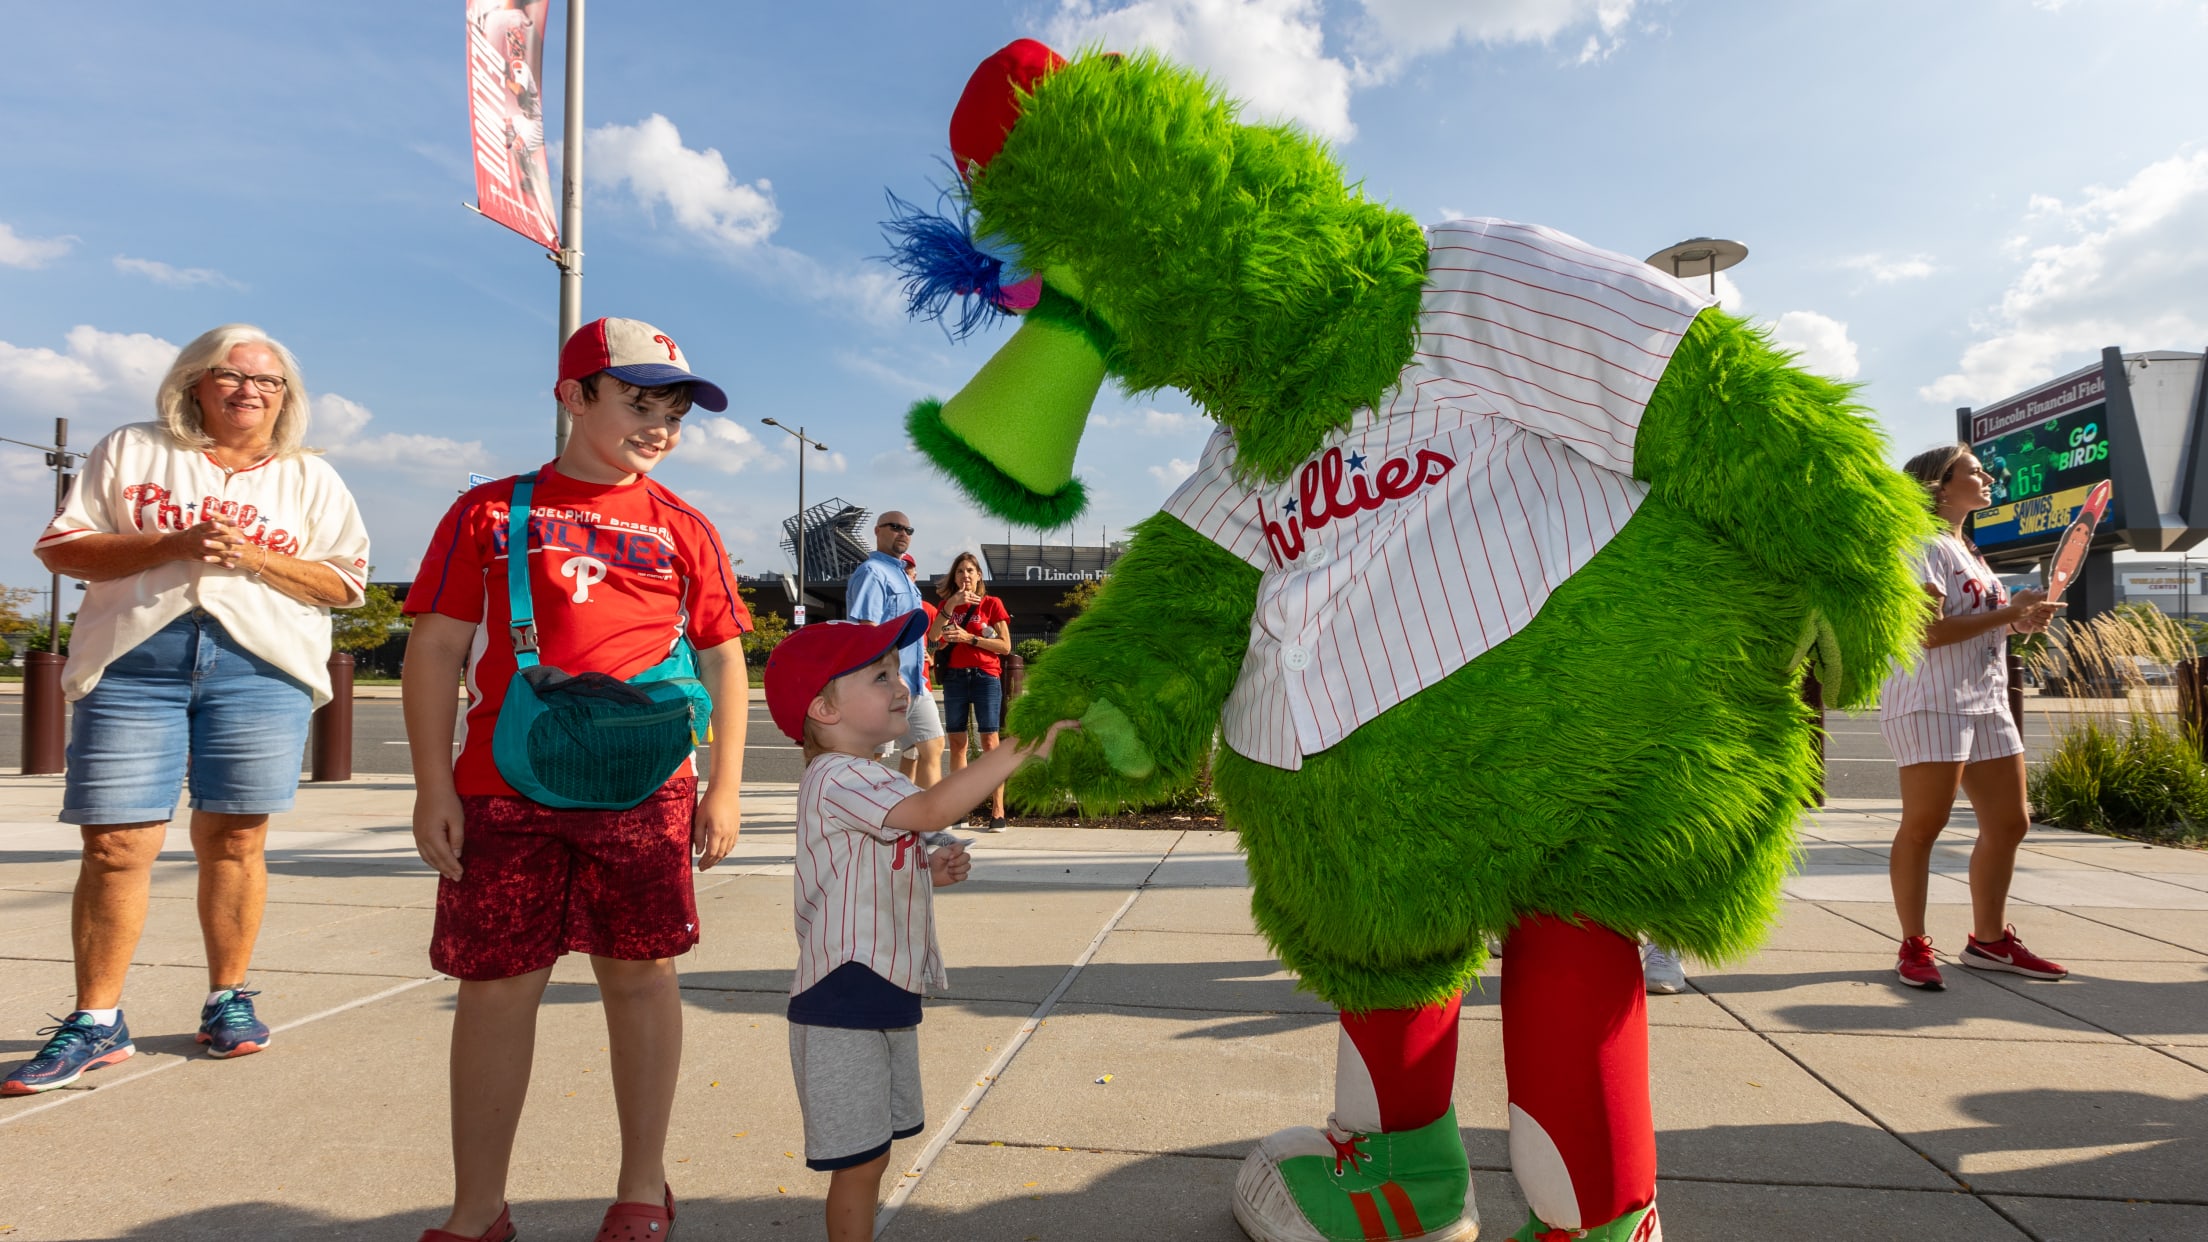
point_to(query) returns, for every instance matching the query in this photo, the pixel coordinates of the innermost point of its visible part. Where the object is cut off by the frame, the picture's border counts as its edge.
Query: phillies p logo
(587, 571)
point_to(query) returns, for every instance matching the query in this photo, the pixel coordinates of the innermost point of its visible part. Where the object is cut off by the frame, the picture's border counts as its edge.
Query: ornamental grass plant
(2125, 761)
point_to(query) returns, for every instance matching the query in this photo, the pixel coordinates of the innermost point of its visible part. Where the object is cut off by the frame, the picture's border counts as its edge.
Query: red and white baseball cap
(635, 352)
(803, 664)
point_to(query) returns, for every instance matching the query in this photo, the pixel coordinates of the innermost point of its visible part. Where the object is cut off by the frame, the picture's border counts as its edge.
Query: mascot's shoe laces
(1638, 1225)
(2008, 953)
(1332, 1185)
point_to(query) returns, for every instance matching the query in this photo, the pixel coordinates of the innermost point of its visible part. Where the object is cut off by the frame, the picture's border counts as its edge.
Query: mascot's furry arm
(1791, 470)
(1164, 645)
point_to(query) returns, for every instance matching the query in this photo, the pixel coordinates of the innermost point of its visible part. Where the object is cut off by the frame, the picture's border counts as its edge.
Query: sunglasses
(899, 528)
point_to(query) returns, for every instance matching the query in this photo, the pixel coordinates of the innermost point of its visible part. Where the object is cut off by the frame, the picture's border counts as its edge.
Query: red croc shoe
(639, 1222)
(501, 1230)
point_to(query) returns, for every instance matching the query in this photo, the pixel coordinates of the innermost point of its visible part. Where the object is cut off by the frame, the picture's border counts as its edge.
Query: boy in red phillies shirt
(620, 568)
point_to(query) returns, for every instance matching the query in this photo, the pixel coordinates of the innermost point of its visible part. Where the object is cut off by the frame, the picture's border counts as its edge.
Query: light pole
(797, 610)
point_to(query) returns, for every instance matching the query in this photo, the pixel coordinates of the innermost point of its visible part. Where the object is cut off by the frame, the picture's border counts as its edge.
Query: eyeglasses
(227, 379)
(898, 527)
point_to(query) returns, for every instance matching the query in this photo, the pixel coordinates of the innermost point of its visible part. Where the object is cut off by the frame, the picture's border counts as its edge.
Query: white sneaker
(1661, 972)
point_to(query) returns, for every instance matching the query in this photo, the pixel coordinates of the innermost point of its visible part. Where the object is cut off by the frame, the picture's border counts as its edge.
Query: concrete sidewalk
(1800, 1094)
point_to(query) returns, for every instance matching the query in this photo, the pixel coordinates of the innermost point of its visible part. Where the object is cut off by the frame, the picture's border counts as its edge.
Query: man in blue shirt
(880, 589)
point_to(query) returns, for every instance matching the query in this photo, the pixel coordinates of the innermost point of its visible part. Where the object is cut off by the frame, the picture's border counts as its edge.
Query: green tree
(15, 609)
(1079, 598)
(371, 625)
(768, 629)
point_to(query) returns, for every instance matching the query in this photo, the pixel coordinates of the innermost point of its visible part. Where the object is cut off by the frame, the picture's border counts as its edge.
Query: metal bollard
(1813, 694)
(332, 741)
(45, 739)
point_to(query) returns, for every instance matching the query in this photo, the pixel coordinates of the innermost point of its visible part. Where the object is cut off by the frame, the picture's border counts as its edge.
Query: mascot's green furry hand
(1115, 734)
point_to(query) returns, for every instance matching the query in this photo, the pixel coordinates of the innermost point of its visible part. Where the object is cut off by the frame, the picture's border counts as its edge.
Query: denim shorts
(983, 691)
(188, 697)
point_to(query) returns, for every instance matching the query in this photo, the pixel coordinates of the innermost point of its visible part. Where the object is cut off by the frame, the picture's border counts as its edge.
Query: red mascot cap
(991, 104)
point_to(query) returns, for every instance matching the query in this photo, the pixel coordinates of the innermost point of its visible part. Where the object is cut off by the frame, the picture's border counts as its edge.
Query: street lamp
(797, 610)
(1697, 255)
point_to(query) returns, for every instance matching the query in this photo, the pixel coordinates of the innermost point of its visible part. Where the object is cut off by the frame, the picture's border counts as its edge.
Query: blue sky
(1944, 203)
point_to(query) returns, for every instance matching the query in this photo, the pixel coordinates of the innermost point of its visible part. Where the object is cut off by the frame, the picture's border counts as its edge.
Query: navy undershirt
(856, 999)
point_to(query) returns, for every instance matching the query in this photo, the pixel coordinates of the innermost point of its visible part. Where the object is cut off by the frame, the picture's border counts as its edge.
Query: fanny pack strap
(521, 613)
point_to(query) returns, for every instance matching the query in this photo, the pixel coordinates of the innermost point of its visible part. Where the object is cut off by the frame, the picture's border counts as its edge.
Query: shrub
(1030, 650)
(2144, 779)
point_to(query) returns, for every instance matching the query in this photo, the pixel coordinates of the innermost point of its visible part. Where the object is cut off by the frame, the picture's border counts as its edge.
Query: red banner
(506, 106)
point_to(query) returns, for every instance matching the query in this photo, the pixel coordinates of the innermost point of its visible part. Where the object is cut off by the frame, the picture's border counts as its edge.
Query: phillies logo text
(170, 515)
(1320, 497)
(644, 551)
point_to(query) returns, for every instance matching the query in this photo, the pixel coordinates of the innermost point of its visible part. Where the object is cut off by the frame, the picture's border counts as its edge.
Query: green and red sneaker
(1638, 1225)
(1331, 1185)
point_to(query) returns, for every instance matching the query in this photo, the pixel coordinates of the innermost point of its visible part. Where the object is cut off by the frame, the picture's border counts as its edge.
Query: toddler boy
(865, 923)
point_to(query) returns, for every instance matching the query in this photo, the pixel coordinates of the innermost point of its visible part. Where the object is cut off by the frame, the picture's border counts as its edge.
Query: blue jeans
(972, 687)
(187, 696)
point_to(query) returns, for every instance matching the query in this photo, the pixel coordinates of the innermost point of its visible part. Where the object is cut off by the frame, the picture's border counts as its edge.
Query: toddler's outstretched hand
(1041, 749)
(949, 864)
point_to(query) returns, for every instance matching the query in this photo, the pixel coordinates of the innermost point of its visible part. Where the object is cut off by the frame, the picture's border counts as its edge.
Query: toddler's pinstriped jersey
(863, 890)
(1424, 533)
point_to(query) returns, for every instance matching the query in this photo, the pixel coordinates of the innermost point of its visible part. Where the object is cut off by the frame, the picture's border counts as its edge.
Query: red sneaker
(2008, 953)
(1918, 967)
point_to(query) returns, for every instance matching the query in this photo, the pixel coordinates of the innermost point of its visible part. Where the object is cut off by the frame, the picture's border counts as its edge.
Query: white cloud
(1270, 54)
(2126, 266)
(1887, 269)
(19, 251)
(337, 423)
(109, 377)
(1822, 342)
(175, 277)
(1395, 30)
(736, 218)
(1151, 422)
(696, 187)
(1173, 472)
(721, 444)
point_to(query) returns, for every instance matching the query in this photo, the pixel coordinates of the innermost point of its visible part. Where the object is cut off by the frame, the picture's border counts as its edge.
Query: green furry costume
(1635, 756)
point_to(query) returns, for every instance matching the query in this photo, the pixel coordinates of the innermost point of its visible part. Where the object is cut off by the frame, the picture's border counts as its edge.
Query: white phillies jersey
(863, 890)
(1970, 677)
(1421, 535)
(139, 480)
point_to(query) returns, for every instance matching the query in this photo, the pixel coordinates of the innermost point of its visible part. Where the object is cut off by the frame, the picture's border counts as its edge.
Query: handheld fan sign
(2070, 553)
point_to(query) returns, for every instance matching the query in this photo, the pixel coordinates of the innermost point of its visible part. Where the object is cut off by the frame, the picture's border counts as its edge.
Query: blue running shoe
(78, 1044)
(227, 1025)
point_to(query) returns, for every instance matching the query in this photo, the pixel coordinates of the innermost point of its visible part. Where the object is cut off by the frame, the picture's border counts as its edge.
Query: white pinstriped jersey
(1423, 534)
(1970, 677)
(863, 890)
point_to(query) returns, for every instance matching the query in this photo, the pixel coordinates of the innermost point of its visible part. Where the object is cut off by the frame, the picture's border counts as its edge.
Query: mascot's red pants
(1575, 1054)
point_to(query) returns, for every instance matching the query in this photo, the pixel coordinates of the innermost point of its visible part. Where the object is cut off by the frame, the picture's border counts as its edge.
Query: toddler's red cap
(635, 352)
(804, 663)
(991, 104)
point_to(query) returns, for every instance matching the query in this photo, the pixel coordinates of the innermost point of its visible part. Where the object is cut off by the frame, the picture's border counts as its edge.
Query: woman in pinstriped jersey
(1947, 722)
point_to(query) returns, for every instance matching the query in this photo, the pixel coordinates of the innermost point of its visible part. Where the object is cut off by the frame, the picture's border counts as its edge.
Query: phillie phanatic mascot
(1495, 585)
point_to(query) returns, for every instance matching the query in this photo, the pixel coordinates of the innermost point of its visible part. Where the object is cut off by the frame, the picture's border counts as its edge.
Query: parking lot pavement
(1797, 1093)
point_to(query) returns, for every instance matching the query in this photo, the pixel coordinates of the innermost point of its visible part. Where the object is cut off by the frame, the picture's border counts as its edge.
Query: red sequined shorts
(539, 881)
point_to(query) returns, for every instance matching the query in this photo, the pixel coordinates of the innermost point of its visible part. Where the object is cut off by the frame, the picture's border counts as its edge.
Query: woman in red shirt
(975, 631)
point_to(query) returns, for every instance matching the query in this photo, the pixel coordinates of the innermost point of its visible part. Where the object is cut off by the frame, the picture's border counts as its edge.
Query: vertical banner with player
(506, 105)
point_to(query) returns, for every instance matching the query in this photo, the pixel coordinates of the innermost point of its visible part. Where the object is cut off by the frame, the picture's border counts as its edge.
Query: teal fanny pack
(588, 740)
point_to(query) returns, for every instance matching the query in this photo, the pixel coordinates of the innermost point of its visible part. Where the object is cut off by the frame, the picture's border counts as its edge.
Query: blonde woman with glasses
(214, 546)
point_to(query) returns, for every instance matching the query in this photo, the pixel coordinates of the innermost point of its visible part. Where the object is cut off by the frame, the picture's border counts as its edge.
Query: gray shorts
(923, 723)
(858, 1090)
